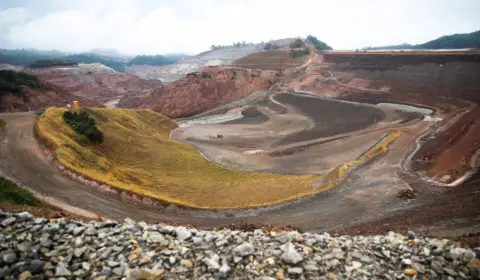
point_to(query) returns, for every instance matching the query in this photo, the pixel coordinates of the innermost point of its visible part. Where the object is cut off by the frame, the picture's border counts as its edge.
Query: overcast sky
(191, 26)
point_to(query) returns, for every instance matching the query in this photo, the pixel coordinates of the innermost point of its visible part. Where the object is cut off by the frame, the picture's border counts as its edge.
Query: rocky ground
(38, 248)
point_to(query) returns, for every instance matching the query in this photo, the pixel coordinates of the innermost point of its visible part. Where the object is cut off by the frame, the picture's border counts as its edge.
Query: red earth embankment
(201, 91)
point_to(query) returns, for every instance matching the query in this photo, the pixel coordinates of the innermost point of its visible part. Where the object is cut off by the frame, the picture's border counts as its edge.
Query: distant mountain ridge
(28, 57)
(454, 41)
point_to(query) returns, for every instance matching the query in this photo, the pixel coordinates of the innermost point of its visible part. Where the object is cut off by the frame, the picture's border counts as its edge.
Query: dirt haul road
(23, 160)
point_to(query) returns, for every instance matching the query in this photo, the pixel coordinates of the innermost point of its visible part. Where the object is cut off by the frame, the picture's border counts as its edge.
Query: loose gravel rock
(42, 249)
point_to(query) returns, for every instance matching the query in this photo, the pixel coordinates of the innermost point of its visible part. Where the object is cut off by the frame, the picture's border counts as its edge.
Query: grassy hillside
(137, 155)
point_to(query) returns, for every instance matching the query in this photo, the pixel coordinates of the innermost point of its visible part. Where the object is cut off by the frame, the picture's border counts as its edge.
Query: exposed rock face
(198, 93)
(96, 82)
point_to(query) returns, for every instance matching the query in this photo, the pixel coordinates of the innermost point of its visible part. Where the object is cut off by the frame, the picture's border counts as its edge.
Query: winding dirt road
(23, 160)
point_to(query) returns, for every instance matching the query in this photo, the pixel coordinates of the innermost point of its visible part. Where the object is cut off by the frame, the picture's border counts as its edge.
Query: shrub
(319, 45)
(83, 124)
(296, 53)
(11, 193)
(2, 123)
(234, 75)
(298, 43)
(193, 74)
(270, 46)
(206, 75)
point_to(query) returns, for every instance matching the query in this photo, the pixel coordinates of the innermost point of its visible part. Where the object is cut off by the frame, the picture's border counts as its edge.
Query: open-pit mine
(327, 141)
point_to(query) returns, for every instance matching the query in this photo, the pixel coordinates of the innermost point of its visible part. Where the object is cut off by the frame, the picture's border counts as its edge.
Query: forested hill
(26, 57)
(455, 41)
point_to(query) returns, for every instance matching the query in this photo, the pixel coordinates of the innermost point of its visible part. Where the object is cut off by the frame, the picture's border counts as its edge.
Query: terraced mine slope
(276, 60)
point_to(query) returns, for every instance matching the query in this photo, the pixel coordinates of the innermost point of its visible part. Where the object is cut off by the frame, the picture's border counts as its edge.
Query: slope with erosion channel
(201, 91)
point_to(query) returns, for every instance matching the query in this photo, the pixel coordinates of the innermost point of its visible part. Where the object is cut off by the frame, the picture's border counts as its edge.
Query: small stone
(419, 267)
(197, 241)
(386, 253)
(8, 221)
(61, 270)
(90, 231)
(24, 216)
(410, 272)
(212, 262)
(112, 263)
(78, 242)
(24, 246)
(145, 260)
(410, 235)
(356, 265)
(243, 250)
(183, 233)
(155, 236)
(172, 259)
(311, 267)
(280, 275)
(51, 228)
(186, 263)
(295, 270)
(36, 266)
(118, 271)
(290, 255)
(78, 230)
(449, 271)
(86, 266)
(224, 269)
(9, 257)
(270, 261)
(129, 221)
(78, 252)
(24, 275)
(426, 251)
(407, 262)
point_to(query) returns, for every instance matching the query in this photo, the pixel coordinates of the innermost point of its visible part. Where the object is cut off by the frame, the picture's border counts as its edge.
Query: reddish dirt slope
(35, 98)
(99, 85)
(197, 93)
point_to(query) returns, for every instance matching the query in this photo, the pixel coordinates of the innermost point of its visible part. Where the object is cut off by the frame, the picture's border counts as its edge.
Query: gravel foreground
(37, 248)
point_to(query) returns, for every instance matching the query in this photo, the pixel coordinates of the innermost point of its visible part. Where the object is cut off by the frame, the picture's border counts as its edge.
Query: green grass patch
(11, 193)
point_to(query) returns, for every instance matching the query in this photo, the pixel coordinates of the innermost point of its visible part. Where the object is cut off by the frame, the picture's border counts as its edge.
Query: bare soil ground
(367, 201)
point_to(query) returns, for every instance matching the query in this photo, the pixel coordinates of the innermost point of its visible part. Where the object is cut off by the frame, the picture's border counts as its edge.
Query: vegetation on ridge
(11, 82)
(52, 62)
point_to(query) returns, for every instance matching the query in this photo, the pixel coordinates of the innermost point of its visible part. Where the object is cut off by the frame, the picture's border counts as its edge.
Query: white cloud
(148, 26)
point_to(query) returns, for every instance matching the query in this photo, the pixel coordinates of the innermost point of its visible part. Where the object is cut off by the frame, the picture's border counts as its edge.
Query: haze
(153, 27)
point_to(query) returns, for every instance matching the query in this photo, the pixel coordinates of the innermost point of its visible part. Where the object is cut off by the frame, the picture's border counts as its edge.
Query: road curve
(22, 158)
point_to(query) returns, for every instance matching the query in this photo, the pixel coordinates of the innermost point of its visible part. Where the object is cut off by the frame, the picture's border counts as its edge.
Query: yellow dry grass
(138, 156)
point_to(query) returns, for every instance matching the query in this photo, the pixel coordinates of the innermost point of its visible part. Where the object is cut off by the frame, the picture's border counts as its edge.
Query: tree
(319, 45)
